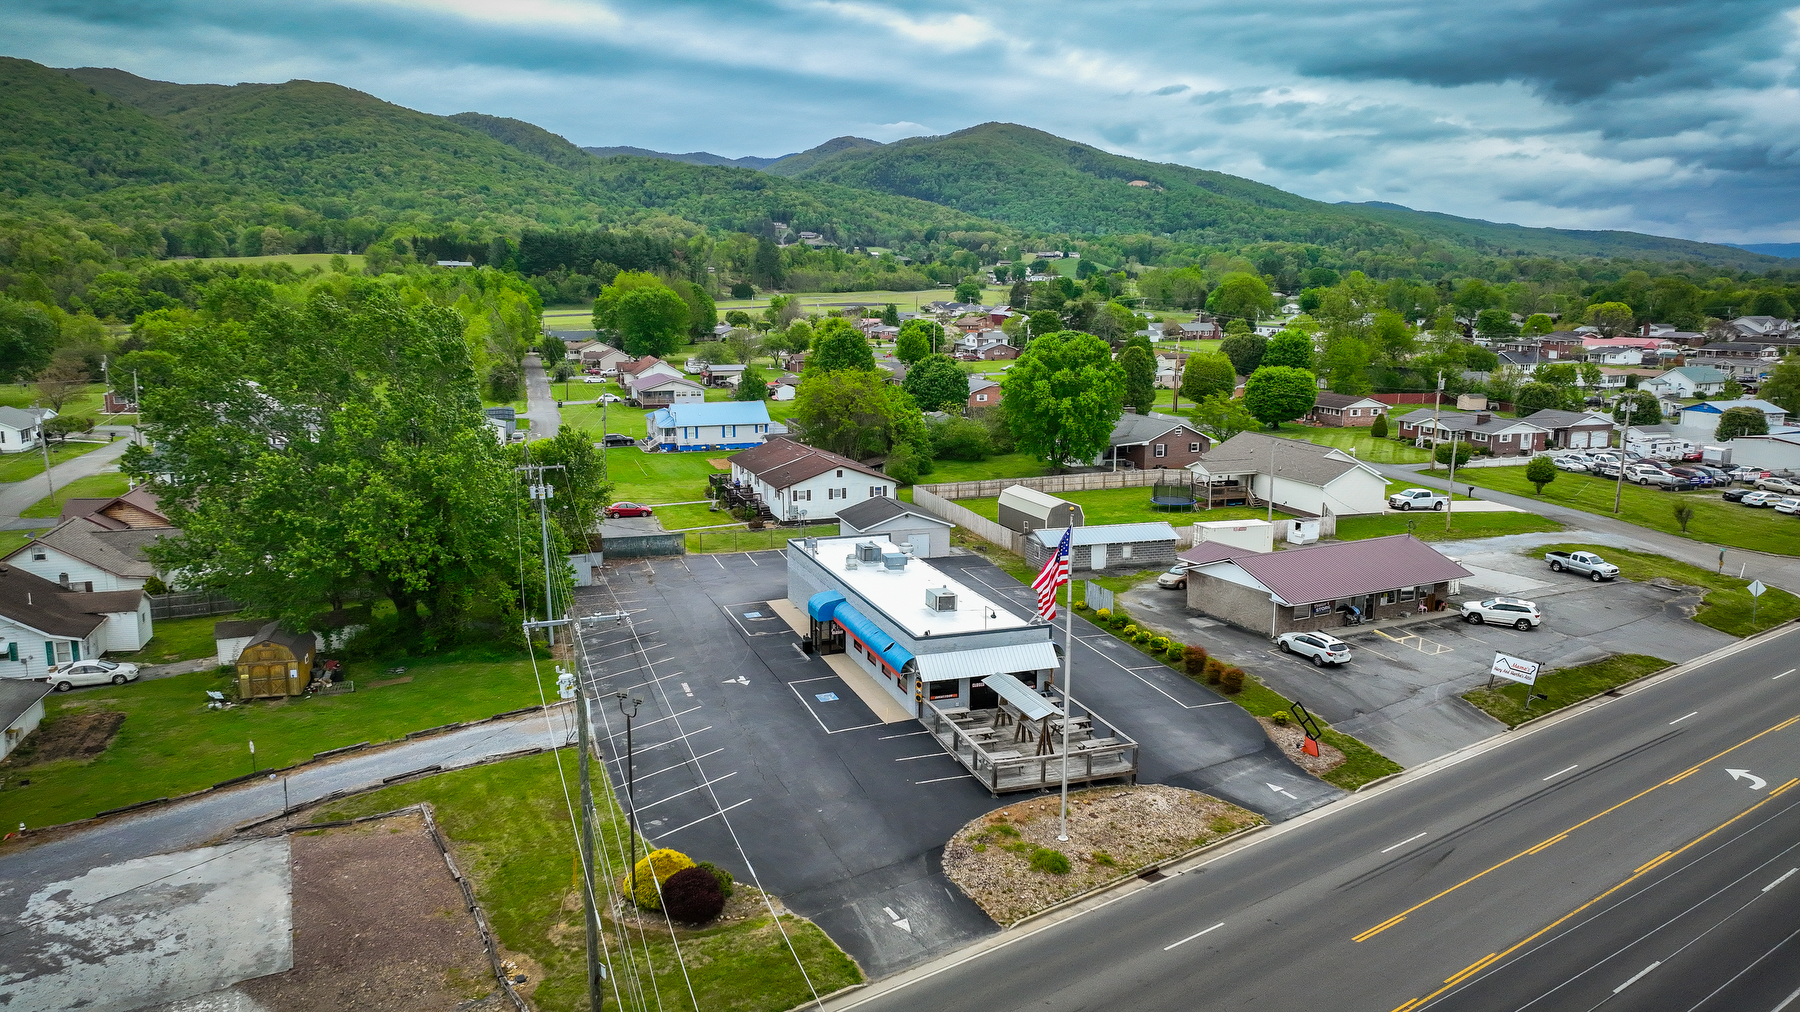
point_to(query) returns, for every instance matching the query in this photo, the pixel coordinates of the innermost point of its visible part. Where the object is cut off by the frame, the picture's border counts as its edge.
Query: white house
(602, 357)
(656, 390)
(21, 710)
(1299, 477)
(19, 430)
(99, 546)
(721, 425)
(42, 624)
(1688, 381)
(901, 523)
(643, 368)
(796, 480)
(1700, 421)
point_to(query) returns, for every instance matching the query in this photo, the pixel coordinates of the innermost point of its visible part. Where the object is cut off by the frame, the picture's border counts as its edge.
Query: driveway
(1402, 693)
(758, 757)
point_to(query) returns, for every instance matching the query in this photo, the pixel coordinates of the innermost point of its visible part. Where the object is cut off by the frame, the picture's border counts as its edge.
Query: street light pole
(630, 795)
(588, 905)
(1624, 434)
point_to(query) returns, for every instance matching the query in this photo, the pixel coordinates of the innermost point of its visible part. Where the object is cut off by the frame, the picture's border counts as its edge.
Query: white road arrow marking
(899, 922)
(1277, 788)
(1756, 783)
(684, 688)
(739, 680)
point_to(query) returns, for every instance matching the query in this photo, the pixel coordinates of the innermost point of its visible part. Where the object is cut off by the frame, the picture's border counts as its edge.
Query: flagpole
(1068, 672)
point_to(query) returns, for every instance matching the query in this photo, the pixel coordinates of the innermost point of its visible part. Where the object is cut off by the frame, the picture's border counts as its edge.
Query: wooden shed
(1026, 509)
(276, 663)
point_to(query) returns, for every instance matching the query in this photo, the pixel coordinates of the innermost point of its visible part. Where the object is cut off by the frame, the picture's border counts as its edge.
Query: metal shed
(1026, 509)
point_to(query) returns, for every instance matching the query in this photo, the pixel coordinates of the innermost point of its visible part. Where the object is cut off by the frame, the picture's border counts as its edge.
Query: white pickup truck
(1418, 499)
(1594, 566)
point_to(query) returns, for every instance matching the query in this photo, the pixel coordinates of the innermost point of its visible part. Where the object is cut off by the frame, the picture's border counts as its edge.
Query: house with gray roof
(42, 623)
(1688, 381)
(1153, 440)
(99, 546)
(1299, 477)
(1578, 430)
(1483, 430)
(1345, 410)
(20, 430)
(901, 523)
(1313, 588)
(1149, 545)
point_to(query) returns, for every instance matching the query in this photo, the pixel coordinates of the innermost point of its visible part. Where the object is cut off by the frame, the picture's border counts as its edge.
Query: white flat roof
(900, 593)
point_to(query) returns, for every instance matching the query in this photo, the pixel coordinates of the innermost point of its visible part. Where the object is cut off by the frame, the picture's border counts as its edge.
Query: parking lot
(758, 757)
(1401, 693)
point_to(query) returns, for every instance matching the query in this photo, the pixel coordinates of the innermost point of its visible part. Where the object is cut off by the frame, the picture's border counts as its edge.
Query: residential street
(1552, 868)
(17, 496)
(540, 401)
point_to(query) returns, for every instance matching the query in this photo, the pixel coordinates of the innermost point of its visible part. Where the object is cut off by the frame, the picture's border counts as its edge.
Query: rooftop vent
(940, 599)
(868, 551)
(894, 560)
(850, 561)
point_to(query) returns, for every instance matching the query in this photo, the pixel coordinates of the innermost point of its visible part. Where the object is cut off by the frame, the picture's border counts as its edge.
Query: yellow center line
(1777, 792)
(1390, 922)
(1472, 967)
(1553, 925)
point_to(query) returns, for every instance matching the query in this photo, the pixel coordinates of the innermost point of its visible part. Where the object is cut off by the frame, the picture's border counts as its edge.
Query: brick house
(1573, 429)
(1503, 437)
(983, 393)
(1346, 410)
(1150, 441)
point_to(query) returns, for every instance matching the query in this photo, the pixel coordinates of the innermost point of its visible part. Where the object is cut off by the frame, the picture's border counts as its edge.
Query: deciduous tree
(1290, 348)
(1207, 374)
(836, 345)
(1540, 472)
(1744, 421)
(1610, 318)
(937, 384)
(646, 317)
(1245, 352)
(27, 338)
(1276, 394)
(1221, 417)
(1140, 378)
(1062, 397)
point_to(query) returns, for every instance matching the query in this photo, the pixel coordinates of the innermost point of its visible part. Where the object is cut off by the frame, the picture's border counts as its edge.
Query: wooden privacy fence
(926, 497)
(1056, 483)
(190, 605)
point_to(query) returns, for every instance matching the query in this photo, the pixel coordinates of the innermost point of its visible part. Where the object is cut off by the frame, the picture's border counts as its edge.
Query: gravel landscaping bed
(1291, 738)
(1011, 864)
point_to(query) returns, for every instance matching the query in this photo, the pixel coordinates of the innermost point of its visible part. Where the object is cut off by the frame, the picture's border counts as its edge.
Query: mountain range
(100, 143)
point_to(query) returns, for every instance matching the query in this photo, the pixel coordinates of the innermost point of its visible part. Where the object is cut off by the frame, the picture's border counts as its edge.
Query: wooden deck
(1007, 753)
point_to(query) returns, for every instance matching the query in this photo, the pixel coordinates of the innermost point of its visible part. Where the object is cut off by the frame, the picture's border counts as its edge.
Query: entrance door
(1097, 558)
(981, 697)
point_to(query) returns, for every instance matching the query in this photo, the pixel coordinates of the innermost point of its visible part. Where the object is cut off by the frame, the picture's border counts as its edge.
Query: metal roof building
(1316, 587)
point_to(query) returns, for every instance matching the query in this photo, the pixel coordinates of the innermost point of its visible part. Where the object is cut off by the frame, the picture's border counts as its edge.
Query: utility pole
(1624, 434)
(595, 972)
(1437, 404)
(44, 444)
(543, 492)
(1450, 502)
(137, 410)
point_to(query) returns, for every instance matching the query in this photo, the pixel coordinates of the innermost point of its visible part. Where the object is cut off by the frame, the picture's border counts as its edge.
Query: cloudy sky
(1674, 117)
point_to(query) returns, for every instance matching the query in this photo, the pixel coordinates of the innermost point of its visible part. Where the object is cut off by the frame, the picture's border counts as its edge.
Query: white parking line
(928, 755)
(1560, 772)
(690, 790)
(1784, 674)
(666, 834)
(1678, 720)
(1785, 1002)
(660, 744)
(1193, 936)
(1402, 843)
(684, 762)
(909, 734)
(939, 780)
(1637, 977)
(1783, 878)
(658, 720)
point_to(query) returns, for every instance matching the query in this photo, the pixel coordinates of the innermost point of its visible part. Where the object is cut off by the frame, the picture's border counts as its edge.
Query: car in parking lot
(1748, 474)
(1719, 475)
(1789, 505)
(1691, 477)
(1735, 494)
(1606, 468)
(1503, 611)
(1318, 646)
(628, 509)
(1760, 499)
(1569, 463)
(1174, 579)
(69, 674)
(1786, 486)
(1642, 474)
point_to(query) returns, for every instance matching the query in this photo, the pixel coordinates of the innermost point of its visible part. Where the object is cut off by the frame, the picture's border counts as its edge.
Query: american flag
(1055, 573)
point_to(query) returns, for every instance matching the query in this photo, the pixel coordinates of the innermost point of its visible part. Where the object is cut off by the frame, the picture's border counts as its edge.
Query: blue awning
(859, 626)
(821, 605)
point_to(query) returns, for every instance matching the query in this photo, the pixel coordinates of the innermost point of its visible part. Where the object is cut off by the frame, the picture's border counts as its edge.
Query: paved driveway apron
(757, 757)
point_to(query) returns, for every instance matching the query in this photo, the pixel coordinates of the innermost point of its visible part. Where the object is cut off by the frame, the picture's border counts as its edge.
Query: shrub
(1142, 637)
(1173, 653)
(1215, 669)
(1081, 605)
(1281, 717)
(1103, 614)
(1130, 630)
(1380, 429)
(1102, 857)
(1232, 680)
(154, 586)
(726, 885)
(1159, 643)
(693, 896)
(652, 871)
(1193, 660)
(1053, 861)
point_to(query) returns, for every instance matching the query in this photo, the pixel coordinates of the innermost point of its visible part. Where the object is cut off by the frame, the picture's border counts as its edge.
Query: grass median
(1715, 520)
(510, 828)
(1727, 607)
(1564, 686)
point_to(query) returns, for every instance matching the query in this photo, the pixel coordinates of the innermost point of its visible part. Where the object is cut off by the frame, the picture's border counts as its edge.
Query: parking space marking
(1133, 673)
(815, 713)
(660, 744)
(1786, 673)
(939, 780)
(658, 720)
(640, 685)
(670, 832)
(684, 762)
(909, 734)
(1560, 772)
(928, 755)
(705, 784)
(1416, 642)
(1402, 843)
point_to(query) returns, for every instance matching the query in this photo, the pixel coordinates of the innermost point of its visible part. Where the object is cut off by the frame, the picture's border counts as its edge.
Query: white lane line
(1193, 936)
(939, 780)
(1678, 720)
(928, 755)
(1637, 976)
(658, 720)
(1560, 772)
(752, 559)
(660, 744)
(690, 790)
(1402, 843)
(667, 833)
(1789, 1000)
(684, 762)
(909, 734)
(1784, 674)
(1780, 880)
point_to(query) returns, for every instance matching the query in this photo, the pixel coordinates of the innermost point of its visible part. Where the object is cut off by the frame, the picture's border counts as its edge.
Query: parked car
(1735, 494)
(69, 674)
(1719, 475)
(611, 399)
(1174, 579)
(1760, 499)
(1418, 499)
(628, 509)
(1692, 477)
(1322, 649)
(1503, 611)
(1789, 505)
(1594, 566)
(1786, 486)
(593, 379)
(617, 439)
(1568, 463)
(1606, 468)
(1747, 474)
(1644, 475)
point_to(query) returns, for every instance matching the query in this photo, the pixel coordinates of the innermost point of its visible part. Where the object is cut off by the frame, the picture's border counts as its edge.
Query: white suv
(66, 676)
(1321, 648)
(1503, 611)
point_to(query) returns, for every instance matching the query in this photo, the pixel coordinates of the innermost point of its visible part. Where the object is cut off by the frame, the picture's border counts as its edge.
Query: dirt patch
(378, 924)
(719, 462)
(1004, 861)
(70, 736)
(1291, 738)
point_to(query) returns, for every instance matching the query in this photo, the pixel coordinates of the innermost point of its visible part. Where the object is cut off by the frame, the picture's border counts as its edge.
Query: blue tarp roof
(847, 616)
(821, 605)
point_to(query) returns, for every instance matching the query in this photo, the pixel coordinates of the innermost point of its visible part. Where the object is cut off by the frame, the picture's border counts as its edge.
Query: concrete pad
(861, 682)
(1510, 584)
(152, 930)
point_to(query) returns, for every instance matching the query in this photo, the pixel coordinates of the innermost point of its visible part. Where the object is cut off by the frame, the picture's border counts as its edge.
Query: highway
(1643, 854)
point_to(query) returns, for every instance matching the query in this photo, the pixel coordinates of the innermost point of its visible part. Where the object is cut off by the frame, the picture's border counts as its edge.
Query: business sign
(1515, 669)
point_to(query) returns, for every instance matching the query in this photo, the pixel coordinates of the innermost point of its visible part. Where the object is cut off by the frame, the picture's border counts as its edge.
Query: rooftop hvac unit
(940, 599)
(894, 559)
(850, 561)
(868, 551)
(811, 545)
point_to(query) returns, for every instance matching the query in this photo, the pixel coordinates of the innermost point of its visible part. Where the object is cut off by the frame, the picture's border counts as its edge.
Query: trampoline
(1173, 498)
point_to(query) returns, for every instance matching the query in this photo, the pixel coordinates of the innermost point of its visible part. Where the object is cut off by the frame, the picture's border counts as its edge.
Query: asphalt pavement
(17, 496)
(540, 400)
(1635, 852)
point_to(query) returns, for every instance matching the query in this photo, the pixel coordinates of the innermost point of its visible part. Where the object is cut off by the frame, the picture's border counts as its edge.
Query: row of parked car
(1642, 470)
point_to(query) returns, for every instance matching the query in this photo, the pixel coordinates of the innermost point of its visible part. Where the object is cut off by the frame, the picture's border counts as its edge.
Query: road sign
(1515, 669)
(1756, 588)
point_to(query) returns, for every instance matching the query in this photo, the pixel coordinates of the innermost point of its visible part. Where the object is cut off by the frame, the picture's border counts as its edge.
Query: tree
(62, 380)
(1140, 378)
(1537, 397)
(1493, 323)
(738, 318)
(798, 336)
(1379, 429)
(1645, 408)
(766, 268)
(711, 353)
(703, 314)
(581, 487)
(1767, 303)
(937, 384)
(1539, 324)
(1684, 515)
(1732, 390)
(1062, 397)
(837, 345)
(59, 428)
(1783, 387)
(849, 411)
(890, 315)
(1290, 348)
(1245, 352)
(968, 290)
(742, 290)
(961, 439)
(551, 351)
(930, 330)
(1221, 417)
(1241, 296)
(1278, 393)
(1393, 339)
(752, 385)
(1207, 374)
(1540, 472)
(742, 344)
(1610, 318)
(27, 339)
(1744, 421)
(911, 346)
(646, 317)
(1463, 451)
(1043, 321)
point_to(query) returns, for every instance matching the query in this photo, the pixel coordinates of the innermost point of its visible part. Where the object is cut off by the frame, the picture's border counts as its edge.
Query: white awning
(987, 661)
(1031, 705)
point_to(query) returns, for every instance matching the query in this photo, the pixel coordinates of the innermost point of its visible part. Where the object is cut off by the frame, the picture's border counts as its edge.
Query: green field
(1715, 521)
(1358, 441)
(179, 639)
(1430, 526)
(298, 261)
(742, 539)
(23, 466)
(170, 743)
(1121, 506)
(1727, 606)
(85, 403)
(659, 477)
(11, 541)
(1565, 687)
(1004, 465)
(509, 827)
(94, 486)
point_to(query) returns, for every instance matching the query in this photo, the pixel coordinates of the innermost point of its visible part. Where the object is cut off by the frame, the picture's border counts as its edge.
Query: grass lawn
(85, 403)
(20, 466)
(170, 743)
(1005, 465)
(742, 539)
(1565, 687)
(1430, 526)
(680, 518)
(1726, 608)
(1715, 521)
(659, 477)
(620, 418)
(1358, 441)
(11, 541)
(298, 261)
(94, 486)
(510, 828)
(180, 639)
(1123, 506)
